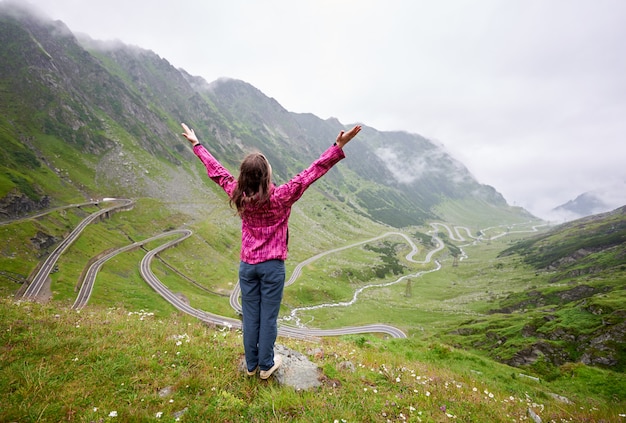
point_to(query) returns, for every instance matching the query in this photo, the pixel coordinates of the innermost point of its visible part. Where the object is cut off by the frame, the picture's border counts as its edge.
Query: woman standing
(264, 210)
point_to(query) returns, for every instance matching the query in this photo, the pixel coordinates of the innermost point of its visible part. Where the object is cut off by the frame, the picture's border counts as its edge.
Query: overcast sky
(529, 94)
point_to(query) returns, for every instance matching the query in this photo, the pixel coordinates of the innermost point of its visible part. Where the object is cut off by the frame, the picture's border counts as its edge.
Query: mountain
(592, 202)
(81, 118)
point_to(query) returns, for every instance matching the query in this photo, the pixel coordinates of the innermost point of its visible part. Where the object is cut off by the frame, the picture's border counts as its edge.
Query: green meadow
(111, 360)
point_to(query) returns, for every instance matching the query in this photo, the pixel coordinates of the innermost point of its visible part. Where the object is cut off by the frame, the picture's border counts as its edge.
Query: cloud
(407, 168)
(404, 172)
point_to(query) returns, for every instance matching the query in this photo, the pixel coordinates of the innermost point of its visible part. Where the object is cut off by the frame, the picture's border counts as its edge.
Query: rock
(347, 366)
(16, 204)
(317, 353)
(43, 241)
(533, 416)
(177, 415)
(577, 293)
(166, 392)
(296, 370)
(560, 398)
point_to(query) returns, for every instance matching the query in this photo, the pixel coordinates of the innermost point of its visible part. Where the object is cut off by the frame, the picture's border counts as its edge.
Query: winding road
(34, 289)
(285, 329)
(90, 277)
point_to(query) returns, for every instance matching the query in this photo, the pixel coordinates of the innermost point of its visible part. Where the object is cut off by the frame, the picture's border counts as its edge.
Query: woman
(264, 210)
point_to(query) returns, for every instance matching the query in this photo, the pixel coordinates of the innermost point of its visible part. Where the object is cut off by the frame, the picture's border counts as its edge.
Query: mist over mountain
(590, 203)
(81, 118)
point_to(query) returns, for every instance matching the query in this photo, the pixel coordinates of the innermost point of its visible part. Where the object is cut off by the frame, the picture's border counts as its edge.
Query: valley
(414, 286)
(290, 325)
(439, 294)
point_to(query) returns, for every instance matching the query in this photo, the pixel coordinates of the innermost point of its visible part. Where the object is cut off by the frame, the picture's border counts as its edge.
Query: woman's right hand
(190, 135)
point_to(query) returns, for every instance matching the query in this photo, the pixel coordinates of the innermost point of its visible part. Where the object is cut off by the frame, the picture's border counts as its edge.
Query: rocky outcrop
(42, 241)
(16, 204)
(540, 349)
(603, 348)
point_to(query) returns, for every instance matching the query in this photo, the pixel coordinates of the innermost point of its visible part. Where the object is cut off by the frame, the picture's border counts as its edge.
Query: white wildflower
(113, 414)
(159, 414)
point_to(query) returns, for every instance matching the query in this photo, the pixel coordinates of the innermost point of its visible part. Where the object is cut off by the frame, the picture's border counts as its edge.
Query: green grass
(443, 312)
(59, 365)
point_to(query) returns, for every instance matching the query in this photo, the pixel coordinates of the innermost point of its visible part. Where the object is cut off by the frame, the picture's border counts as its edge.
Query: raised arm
(218, 173)
(290, 192)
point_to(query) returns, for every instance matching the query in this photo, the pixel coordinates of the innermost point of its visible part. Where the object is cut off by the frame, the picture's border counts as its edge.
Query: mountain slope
(115, 110)
(573, 310)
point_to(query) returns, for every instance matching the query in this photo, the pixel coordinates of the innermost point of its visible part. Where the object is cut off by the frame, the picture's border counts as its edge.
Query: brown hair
(254, 182)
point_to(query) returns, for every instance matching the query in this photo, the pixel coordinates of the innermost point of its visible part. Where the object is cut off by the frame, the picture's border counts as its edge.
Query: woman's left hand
(344, 137)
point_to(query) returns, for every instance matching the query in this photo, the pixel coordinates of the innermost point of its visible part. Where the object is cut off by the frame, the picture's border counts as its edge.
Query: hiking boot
(277, 362)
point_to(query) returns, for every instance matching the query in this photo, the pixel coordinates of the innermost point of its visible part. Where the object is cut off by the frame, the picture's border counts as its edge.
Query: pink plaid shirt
(264, 229)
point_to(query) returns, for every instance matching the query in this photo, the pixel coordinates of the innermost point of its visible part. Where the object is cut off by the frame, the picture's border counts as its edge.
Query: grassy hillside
(564, 302)
(455, 338)
(117, 364)
(496, 305)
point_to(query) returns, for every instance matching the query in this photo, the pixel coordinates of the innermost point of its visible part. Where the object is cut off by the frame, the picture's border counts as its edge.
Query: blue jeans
(261, 293)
